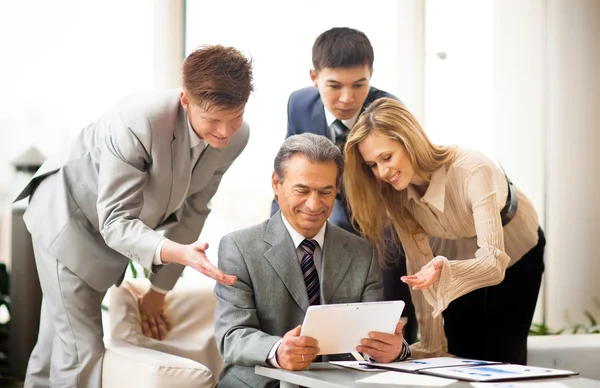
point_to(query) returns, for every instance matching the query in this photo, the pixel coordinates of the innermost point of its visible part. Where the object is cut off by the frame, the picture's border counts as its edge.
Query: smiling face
(388, 160)
(306, 194)
(215, 126)
(343, 90)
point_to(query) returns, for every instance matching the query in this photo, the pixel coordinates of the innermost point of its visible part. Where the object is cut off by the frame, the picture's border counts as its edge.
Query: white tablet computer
(340, 327)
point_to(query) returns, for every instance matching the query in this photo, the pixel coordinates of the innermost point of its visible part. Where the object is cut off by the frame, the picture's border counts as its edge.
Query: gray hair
(316, 148)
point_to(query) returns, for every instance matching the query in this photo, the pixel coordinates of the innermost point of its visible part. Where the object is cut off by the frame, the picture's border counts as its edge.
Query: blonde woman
(474, 249)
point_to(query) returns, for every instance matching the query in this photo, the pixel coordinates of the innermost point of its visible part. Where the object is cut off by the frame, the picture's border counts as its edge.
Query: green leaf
(578, 327)
(542, 329)
(589, 316)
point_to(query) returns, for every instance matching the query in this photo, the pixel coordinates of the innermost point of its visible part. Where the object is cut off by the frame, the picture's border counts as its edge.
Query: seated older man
(289, 262)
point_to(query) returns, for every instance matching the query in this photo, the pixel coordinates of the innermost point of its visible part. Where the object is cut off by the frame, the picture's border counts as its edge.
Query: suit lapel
(318, 118)
(336, 262)
(180, 163)
(282, 257)
(209, 154)
(370, 98)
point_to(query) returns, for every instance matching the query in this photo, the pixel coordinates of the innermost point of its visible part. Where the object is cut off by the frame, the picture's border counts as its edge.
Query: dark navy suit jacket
(306, 112)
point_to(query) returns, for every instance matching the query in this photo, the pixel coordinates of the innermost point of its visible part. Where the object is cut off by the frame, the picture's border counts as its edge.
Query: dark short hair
(218, 77)
(342, 47)
(315, 148)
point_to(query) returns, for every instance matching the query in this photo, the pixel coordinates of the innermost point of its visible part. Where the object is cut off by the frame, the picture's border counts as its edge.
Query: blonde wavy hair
(376, 204)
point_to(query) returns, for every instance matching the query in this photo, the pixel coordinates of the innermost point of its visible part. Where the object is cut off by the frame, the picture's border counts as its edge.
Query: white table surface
(325, 375)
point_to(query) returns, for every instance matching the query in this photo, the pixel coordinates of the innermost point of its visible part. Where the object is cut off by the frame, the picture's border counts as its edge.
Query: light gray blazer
(270, 298)
(98, 202)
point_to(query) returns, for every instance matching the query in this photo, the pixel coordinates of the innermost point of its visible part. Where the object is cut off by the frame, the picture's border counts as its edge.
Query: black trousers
(492, 323)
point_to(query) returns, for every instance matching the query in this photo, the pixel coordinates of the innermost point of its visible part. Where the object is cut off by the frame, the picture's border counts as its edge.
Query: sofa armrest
(127, 365)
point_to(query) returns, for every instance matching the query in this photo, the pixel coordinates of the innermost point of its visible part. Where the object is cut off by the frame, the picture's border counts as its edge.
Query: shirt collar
(348, 123)
(436, 191)
(194, 138)
(297, 238)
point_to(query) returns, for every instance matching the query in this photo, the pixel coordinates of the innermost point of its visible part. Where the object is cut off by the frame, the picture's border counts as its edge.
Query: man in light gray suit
(289, 262)
(151, 163)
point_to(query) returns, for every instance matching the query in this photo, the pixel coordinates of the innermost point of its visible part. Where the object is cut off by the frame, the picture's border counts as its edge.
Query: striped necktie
(340, 134)
(311, 278)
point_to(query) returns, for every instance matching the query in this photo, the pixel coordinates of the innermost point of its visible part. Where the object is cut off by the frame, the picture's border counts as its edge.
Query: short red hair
(217, 77)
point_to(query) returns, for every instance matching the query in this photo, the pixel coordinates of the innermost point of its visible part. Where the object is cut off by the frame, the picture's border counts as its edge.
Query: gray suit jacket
(270, 298)
(98, 203)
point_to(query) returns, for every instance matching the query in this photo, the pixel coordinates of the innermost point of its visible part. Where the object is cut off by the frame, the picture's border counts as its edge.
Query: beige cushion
(187, 356)
(127, 366)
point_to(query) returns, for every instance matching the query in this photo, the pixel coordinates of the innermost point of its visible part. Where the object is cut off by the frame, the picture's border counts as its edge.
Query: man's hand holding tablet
(373, 328)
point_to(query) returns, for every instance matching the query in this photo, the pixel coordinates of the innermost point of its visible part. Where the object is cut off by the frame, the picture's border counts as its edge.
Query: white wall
(63, 63)
(572, 159)
(519, 100)
(459, 89)
(519, 95)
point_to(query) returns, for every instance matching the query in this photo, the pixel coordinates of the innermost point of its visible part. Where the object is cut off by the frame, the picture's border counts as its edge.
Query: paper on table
(399, 378)
(359, 365)
(427, 363)
(497, 372)
(519, 385)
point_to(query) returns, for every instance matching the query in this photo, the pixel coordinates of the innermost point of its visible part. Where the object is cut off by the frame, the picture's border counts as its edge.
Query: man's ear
(275, 183)
(185, 101)
(313, 77)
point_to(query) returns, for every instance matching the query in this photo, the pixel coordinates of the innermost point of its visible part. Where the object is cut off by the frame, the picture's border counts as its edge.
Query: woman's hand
(427, 276)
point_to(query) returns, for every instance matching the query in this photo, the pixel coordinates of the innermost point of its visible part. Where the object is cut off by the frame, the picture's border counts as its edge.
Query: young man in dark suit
(342, 68)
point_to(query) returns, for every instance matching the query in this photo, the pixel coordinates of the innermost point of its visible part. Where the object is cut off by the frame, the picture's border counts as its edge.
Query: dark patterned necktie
(311, 278)
(341, 135)
(340, 132)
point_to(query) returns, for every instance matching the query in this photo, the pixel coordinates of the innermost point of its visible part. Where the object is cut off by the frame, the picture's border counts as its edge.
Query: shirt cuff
(435, 295)
(158, 289)
(157, 260)
(273, 354)
(405, 352)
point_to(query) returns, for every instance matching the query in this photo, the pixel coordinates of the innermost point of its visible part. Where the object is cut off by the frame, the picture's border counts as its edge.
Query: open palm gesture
(427, 276)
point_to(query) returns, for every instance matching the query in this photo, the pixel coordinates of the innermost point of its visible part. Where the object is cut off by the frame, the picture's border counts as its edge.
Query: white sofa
(188, 355)
(579, 353)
